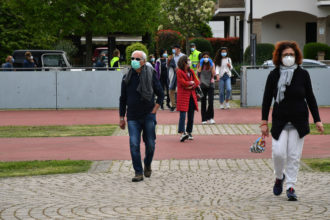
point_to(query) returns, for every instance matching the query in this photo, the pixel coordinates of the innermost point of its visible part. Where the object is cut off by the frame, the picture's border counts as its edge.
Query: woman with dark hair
(291, 88)
(223, 65)
(186, 97)
(206, 72)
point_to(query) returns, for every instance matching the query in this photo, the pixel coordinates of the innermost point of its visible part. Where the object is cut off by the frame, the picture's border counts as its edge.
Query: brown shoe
(137, 178)
(147, 171)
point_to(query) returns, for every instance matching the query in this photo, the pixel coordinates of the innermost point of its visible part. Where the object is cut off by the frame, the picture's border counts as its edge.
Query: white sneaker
(204, 122)
(227, 105)
(222, 106)
(212, 121)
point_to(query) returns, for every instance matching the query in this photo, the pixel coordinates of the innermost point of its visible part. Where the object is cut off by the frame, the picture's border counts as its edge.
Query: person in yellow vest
(115, 60)
(194, 56)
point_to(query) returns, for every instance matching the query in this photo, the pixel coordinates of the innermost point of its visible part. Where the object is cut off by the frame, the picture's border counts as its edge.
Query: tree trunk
(187, 45)
(89, 48)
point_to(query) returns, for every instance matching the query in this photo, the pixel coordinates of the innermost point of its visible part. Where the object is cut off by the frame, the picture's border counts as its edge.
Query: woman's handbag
(199, 92)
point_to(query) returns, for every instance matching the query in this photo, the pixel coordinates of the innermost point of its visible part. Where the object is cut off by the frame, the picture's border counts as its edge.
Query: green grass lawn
(57, 131)
(322, 165)
(31, 168)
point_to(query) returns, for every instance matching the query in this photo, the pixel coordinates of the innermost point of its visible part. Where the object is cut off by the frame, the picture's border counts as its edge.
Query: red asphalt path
(117, 147)
(71, 117)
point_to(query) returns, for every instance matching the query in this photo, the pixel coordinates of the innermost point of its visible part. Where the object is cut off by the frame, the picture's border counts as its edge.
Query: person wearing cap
(194, 56)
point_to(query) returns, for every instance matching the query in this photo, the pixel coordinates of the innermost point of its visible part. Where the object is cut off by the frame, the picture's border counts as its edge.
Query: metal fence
(253, 80)
(60, 89)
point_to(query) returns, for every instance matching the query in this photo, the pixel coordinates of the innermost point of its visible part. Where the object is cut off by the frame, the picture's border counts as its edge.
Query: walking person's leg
(295, 146)
(134, 130)
(221, 92)
(228, 91)
(279, 155)
(172, 98)
(190, 122)
(203, 106)
(181, 126)
(210, 108)
(149, 137)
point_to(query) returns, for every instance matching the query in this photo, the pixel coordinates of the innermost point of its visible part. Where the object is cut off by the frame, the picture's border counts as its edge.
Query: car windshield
(55, 60)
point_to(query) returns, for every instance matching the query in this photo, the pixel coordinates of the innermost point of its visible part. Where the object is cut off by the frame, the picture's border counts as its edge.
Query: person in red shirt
(186, 97)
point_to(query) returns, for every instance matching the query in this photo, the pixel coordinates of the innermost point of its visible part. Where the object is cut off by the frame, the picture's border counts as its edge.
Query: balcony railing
(323, 3)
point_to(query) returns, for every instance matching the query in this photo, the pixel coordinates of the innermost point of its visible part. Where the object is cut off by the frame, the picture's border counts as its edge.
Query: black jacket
(293, 108)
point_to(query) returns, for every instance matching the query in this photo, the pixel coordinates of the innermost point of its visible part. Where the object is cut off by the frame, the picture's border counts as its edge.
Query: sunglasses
(137, 59)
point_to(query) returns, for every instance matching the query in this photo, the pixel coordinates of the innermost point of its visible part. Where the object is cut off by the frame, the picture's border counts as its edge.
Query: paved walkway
(212, 177)
(177, 189)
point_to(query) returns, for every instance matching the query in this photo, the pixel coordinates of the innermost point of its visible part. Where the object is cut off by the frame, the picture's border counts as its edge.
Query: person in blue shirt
(8, 66)
(137, 101)
(29, 62)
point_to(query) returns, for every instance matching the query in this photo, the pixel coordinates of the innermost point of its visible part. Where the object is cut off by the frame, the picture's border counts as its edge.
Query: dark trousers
(207, 113)
(190, 121)
(164, 84)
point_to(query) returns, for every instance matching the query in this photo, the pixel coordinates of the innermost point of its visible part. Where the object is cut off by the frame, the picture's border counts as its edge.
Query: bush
(136, 46)
(264, 52)
(165, 39)
(311, 50)
(67, 46)
(232, 43)
(202, 45)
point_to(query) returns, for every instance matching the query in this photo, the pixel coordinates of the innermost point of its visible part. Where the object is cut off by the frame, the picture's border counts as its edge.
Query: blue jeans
(190, 122)
(224, 81)
(146, 125)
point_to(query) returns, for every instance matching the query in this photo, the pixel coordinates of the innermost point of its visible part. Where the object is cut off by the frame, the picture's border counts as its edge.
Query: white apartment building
(303, 21)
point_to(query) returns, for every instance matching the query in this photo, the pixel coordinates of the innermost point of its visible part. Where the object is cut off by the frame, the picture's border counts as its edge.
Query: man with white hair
(137, 102)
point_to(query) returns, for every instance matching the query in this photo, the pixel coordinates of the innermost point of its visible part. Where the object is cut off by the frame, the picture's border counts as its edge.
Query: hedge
(136, 46)
(202, 45)
(311, 50)
(264, 51)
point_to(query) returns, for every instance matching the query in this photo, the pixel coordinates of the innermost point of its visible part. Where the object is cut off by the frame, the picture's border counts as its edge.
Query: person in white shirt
(223, 67)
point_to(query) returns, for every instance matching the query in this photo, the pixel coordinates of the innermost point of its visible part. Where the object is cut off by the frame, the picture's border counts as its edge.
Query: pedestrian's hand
(122, 124)
(264, 129)
(192, 82)
(228, 64)
(217, 78)
(319, 127)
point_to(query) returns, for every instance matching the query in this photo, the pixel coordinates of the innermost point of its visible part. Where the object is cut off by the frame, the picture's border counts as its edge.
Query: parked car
(43, 58)
(307, 63)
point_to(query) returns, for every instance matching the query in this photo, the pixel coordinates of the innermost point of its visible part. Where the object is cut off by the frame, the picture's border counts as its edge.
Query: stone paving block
(174, 129)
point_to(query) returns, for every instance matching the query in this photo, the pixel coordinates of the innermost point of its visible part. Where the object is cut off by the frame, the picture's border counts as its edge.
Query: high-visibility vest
(115, 59)
(194, 58)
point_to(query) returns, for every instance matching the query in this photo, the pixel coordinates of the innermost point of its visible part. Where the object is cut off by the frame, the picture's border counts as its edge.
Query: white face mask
(189, 63)
(288, 60)
(206, 60)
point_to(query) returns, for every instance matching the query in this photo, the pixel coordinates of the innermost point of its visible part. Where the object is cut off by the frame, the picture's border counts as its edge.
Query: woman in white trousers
(291, 88)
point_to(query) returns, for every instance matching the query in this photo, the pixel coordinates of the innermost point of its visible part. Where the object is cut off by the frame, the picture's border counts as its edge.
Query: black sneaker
(190, 137)
(147, 171)
(184, 137)
(172, 109)
(278, 186)
(137, 178)
(291, 194)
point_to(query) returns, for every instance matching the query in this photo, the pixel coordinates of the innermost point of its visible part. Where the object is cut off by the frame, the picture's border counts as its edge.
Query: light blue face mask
(135, 64)
(223, 54)
(152, 59)
(165, 55)
(173, 51)
(12, 60)
(192, 49)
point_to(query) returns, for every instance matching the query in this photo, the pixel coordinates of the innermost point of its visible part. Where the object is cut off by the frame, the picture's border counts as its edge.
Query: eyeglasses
(137, 59)
(288, 54)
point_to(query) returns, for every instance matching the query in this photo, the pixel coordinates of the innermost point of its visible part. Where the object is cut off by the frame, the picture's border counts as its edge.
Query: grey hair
(144, 56)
